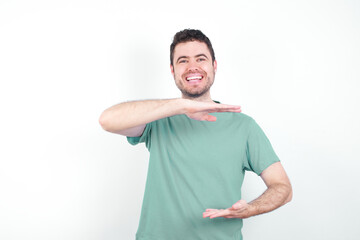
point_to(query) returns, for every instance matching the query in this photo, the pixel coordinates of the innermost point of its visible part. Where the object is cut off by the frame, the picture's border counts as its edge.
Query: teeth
(194, 78)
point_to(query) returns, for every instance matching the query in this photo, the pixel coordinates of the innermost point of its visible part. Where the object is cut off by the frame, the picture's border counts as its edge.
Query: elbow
(104, 121)
(108, 123)
(290, 195)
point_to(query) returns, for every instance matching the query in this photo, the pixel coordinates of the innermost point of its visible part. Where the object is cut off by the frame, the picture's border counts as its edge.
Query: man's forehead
(191, 49)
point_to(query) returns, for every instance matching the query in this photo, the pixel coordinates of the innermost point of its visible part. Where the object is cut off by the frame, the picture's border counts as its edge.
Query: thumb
(239, 204)
(210, 118)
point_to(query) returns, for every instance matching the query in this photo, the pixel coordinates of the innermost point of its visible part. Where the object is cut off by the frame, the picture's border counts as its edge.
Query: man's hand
(241, 209)
(130, 118)
(278, 193)
(200, 110)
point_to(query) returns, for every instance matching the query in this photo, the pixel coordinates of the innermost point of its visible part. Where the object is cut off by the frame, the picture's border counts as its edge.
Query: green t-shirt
(195, 165)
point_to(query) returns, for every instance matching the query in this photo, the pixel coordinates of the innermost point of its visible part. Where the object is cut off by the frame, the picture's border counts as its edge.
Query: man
(197, 159)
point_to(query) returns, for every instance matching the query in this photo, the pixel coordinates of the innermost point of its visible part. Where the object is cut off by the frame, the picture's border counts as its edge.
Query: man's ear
(215, 66)
(172, 70)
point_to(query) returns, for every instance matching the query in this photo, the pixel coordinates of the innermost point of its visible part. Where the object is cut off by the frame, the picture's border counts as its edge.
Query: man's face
(193, 69)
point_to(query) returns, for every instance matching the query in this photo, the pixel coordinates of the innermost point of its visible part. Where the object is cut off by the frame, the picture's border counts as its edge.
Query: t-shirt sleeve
(145, 136)
(259, 151)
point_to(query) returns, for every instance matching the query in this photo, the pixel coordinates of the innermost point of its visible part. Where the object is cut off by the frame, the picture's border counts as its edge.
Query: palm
(200, 110)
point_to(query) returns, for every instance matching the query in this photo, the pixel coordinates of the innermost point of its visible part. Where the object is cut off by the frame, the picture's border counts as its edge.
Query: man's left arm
(278, 193)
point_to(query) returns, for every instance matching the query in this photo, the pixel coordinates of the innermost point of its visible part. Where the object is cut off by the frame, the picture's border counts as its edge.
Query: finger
(209, 213)
(239, 205)
(210, 107)
(205, 215)
(210, 118)
(223, 213)
(229, 107)
(229, 110)
(211, 209)
(236, 206)
(225, 107)
(225, 110)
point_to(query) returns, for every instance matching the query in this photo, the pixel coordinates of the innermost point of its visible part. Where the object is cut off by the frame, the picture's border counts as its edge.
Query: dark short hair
(189, 35)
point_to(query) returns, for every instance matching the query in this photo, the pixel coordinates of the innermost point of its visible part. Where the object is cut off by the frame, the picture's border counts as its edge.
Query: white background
(292, 65)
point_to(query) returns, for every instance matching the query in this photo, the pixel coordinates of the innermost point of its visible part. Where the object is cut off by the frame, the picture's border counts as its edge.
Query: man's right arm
(130, 118)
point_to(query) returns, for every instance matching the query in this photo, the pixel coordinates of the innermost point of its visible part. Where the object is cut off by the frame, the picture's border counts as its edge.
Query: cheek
(178, 72)
(208, 68)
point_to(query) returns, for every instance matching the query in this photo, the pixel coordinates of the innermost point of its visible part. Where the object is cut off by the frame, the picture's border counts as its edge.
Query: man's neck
(203, 98)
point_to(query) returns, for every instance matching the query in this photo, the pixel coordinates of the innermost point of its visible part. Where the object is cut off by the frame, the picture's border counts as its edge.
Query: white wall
(292, 65)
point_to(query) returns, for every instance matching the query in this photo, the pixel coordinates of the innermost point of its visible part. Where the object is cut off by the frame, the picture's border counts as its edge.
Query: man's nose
(193, 65)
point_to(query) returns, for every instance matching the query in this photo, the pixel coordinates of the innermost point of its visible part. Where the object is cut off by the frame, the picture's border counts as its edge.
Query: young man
(197, 159)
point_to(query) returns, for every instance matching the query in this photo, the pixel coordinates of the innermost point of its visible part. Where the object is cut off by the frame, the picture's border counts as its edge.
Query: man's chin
(194, 94)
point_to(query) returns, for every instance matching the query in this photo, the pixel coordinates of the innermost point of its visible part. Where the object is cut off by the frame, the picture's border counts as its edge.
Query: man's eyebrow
(202, 55)
(199, 55)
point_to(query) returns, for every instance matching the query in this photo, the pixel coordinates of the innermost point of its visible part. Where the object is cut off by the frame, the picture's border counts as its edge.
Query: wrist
(252, 210)
(181, 105)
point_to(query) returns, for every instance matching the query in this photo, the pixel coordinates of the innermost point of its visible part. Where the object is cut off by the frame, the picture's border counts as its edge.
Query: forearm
(131, 114)
(275, 196)
(278, 193)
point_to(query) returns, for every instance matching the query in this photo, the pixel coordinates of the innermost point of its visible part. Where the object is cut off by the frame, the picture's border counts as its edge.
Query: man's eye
(201, 59)
(182, 61)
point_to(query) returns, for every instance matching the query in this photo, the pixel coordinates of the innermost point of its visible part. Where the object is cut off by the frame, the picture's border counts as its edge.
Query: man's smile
(194, 78)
